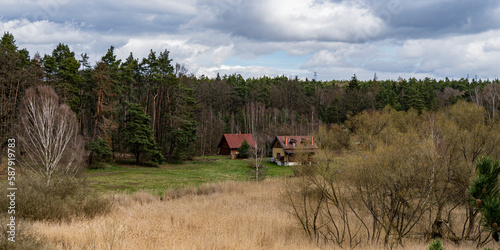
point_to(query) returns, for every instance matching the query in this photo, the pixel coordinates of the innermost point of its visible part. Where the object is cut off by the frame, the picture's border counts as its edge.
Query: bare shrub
(335, 137)
(395, 184)
(48, 135)
(61, 201)
(323, 210)
(409, 181)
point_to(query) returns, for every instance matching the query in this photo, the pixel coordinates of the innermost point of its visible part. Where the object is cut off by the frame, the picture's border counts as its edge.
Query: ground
(125, 176)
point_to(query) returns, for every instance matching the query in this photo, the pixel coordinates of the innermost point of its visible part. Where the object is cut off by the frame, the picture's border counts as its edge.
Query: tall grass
(229, 215)
(25, 238)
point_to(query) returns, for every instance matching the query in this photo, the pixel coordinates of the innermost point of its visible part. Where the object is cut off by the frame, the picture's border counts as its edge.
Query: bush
(25, 239)
(101, 149)
(304, 170)
(64, 199)
(436, 245)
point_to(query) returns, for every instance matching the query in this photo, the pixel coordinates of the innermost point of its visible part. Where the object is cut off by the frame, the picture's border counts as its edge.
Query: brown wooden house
(229, 143)
(286, 148)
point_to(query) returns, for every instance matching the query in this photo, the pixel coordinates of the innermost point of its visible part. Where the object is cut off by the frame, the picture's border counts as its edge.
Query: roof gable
(235, 140)
(293, 143)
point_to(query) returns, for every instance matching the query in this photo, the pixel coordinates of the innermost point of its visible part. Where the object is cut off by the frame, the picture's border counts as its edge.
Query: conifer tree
(139, 136)
(62, 71)
(244, 150)
(485, 191)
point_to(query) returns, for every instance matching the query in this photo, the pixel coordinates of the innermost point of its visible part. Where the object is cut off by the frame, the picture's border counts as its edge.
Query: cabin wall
(234, 153)
(276, 151)
(224, 148)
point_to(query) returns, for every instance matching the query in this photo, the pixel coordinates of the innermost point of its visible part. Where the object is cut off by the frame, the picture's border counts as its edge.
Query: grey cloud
(435, 18)
(425, 37)
(119, 17)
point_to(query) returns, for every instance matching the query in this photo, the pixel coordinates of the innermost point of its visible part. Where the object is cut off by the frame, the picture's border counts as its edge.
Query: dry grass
(230, 215)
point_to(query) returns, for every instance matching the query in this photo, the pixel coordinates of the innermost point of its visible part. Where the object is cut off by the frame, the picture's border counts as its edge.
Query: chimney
(312, 140)
(286, 141)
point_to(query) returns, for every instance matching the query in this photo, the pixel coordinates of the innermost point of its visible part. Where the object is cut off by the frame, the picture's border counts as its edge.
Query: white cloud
(252, 71)
(41, 32)
(287, 20)
(309, 19)
(453, 56)
(458, 55)
(192, 54)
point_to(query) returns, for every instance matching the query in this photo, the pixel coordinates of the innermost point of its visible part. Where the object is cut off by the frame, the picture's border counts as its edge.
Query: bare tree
(491, 99)
(257, 158)
(48, 134)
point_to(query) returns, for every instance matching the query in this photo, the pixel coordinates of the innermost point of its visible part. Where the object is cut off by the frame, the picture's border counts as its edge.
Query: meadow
(227, 215)
(208, 203)
(125, 176)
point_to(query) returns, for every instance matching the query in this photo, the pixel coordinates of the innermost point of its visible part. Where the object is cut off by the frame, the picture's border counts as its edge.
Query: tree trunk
(171, 152)
(472, 220)
(90, 157)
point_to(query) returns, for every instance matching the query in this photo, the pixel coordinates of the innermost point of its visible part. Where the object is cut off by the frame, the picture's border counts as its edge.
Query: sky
(322, 39)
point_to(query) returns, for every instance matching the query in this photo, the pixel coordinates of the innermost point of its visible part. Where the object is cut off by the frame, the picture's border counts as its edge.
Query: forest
(186, 115)
(399, 160)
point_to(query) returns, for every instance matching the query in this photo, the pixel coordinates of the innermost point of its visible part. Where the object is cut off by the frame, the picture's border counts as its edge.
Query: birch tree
(48, 134)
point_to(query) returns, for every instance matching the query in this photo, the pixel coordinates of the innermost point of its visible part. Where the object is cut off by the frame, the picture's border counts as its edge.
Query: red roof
(234, 140)
(302, 143)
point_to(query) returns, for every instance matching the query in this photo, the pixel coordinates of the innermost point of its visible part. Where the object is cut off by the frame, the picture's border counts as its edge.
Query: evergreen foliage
(139, 136)
(189, 113)
(436, 245)
(100, 148)
(244, 150)
(485, 191)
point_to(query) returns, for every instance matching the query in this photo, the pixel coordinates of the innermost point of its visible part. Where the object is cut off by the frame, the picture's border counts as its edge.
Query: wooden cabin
(229, 144)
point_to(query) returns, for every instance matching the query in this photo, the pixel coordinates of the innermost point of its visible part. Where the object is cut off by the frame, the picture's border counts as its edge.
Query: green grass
(125, 176)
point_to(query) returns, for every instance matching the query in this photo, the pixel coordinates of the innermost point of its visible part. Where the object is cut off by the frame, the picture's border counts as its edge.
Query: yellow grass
(231, 215)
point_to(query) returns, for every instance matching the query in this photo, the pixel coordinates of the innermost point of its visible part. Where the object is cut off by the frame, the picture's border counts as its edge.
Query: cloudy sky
(334, 38)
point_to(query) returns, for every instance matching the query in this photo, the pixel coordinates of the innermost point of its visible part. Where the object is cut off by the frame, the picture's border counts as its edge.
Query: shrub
(436, 245)
(100, 148)
(304, 170)
(64, 199)
(25, 239)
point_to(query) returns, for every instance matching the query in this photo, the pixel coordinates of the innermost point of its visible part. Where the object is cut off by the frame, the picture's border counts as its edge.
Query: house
(229, 143)
(286, 150)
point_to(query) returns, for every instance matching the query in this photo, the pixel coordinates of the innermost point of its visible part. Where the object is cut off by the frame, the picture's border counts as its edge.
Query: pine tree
(17, 73)
(485, 191)
(353, 84)
(62, 71)
(139, 136)
(244, 150)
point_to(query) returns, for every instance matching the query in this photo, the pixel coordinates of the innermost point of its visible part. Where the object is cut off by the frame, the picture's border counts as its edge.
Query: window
(278, 155)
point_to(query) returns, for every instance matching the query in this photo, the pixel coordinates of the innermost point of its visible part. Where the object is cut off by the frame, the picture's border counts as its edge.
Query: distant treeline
(189, 114)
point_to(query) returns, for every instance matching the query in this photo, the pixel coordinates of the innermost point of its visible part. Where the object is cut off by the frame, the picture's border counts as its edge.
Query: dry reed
(229, 215)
